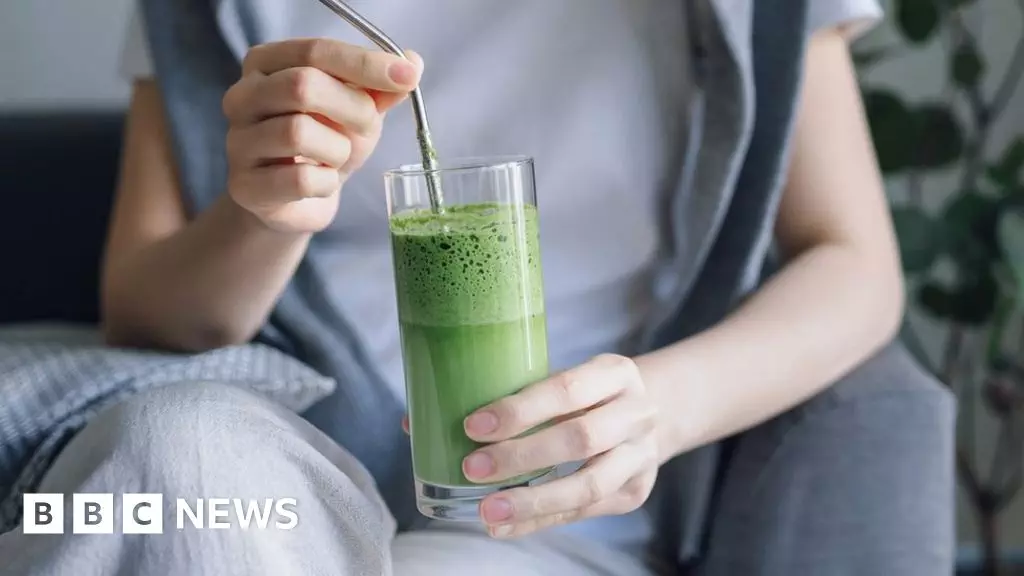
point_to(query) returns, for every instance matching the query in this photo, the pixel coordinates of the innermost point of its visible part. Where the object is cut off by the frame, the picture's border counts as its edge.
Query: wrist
(243, 219)
(676, 383)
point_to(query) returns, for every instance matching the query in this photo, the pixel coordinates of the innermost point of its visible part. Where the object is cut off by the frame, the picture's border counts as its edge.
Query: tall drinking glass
(471, 312)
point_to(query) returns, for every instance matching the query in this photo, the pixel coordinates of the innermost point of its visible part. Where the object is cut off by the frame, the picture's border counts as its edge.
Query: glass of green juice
(470, 310)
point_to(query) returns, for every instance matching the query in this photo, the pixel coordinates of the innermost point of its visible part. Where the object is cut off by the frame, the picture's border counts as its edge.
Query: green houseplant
(962, 247)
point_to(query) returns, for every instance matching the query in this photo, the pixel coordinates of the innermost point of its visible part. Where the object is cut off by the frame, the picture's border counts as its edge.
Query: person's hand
(304, 115)
(598, 412)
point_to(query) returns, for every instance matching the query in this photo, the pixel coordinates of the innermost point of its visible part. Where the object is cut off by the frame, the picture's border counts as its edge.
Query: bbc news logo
(144, 514)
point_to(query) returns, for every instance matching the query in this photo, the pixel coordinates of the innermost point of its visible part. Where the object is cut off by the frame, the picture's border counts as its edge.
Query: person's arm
(171, 283)
(296, 132)
(838, 298)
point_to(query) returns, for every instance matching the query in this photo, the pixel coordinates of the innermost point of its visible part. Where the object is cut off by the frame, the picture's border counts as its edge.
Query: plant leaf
(1006, 173)
(928, 137)
(975, 302)
(968, 236)
(918, 238)
(967, 65)
(1011, 242)
(971, 303)
(957, 4)
(935, 300)
(867, 58)
(938, 137)
(893, 129)
(917, 19)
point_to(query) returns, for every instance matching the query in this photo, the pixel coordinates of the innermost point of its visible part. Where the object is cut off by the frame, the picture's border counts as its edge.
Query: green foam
(472, 264)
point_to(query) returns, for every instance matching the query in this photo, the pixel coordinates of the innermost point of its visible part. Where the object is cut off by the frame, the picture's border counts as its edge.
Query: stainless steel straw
(422, 126)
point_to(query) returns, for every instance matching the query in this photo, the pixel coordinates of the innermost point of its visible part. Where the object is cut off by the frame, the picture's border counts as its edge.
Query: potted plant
(962, 247)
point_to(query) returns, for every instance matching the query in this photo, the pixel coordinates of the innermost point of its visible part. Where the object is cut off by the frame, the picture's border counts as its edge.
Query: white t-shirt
(595, 90)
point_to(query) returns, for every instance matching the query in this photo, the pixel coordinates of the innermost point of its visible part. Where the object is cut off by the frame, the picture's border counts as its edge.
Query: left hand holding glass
(598, 412)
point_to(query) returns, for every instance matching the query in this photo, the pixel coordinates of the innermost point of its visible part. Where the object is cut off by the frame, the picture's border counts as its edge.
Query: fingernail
(402, 72)
(482, 423)
(478, 465)
(503, 531)
(497, 510)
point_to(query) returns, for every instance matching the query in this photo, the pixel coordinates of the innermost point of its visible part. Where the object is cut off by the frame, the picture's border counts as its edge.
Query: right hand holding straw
(305, 114)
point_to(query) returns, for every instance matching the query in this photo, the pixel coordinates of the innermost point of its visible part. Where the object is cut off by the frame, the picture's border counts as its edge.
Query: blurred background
(942, 84)
(61, 54)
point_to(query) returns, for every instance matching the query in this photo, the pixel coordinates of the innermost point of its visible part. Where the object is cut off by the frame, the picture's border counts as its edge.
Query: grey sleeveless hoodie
(747, 54)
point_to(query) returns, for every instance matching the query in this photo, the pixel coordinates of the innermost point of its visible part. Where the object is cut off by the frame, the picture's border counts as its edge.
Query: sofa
(57, 176)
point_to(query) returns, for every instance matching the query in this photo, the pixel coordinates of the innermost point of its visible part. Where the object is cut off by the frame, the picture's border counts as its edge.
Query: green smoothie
(471, 312)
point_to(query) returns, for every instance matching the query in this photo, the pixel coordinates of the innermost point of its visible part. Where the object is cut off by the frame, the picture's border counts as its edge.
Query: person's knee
(194, 414)
(889, 393)
(875, 473)
(189, 433)
(892, 371)
(196, 442)
(867, 465)
(888, 423)
(202, 440)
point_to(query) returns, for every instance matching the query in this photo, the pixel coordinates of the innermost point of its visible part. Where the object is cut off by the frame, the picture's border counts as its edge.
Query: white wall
(56, 53)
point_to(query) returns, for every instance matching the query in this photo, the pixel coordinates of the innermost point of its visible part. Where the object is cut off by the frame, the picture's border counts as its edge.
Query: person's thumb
(388, 100)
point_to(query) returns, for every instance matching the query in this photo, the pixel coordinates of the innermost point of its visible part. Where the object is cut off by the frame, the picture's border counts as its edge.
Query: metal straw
(419, 110)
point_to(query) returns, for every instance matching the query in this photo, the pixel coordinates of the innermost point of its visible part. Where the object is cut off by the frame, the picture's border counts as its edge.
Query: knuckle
(528, 504)
(333, 183)
(651, 461)
(608, 358)
(649, 413)
(350, 61)
(229, 103)
(364, 110)
(505, 457)
(252, 56)
(618, 362)
(313, 51)
(622, 365)
(644, 416)
(304, 180)
(647, 425)
(517, 459)
(593, 488)
(359, 151)
(300, 84)
(511, 412)
(569, 388)
(583, 438)
(295, 131)
(343, 150)
(365, 63)
(634, 493)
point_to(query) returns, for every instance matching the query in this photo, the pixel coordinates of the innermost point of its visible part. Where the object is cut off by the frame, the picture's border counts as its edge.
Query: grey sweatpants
(213, 440)
(857, 481)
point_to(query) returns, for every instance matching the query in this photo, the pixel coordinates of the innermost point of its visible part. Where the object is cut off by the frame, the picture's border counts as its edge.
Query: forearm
(210, 284)
(823, 314)
(838, 298)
